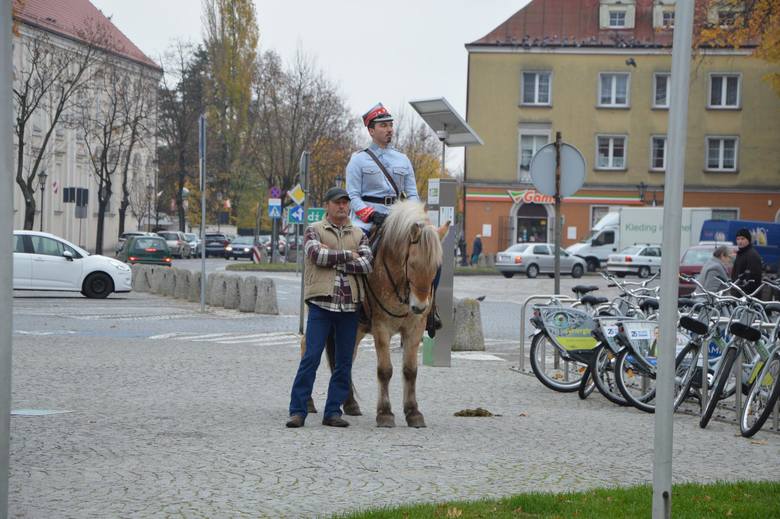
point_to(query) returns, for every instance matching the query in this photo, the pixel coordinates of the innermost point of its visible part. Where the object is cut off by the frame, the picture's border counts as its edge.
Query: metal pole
(42, 190)
(6, 258)
(304, 173)
(557, 259)
(202, 150)
(443, 150)
(673, 197)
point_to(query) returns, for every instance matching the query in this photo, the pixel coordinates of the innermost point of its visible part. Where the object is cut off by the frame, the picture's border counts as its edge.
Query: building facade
(68, 203)
(598, 71)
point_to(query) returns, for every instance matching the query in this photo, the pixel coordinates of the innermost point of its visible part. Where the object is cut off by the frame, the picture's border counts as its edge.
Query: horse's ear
(416, 231)
(442, 231)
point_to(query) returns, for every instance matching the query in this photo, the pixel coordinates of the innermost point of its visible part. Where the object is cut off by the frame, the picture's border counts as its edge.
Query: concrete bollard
(232, 294)
(157, 280)
(247, 294)
(168, 288)
(194, 290)
(266, 297)
(216, 292)
(140, 278)
(182, 290)
(468, 326)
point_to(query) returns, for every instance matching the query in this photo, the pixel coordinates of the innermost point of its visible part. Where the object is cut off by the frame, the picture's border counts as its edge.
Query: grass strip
(691, 500)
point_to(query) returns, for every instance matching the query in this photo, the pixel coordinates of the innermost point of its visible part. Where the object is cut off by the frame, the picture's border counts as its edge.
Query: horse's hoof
(310, 406)
(385, 420)
(415, 420)
(352, 409)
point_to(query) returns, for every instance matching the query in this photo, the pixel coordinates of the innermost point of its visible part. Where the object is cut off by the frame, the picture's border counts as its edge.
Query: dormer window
(617, 14)
(663, 14)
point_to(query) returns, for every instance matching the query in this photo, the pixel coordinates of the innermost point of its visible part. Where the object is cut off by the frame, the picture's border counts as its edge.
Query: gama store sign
(530, 196)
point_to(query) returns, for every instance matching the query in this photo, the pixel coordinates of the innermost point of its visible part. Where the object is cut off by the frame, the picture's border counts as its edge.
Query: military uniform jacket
(364, 178)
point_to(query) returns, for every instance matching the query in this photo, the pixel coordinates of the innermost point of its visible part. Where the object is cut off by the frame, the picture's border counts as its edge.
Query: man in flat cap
(337, 259)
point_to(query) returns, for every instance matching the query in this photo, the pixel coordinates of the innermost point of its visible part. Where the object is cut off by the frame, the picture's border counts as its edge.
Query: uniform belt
(386, 200)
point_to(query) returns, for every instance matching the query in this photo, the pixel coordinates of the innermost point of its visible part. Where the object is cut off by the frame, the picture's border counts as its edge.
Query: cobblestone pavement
(175, 414)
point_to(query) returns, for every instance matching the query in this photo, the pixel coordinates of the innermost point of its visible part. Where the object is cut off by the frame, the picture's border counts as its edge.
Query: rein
(404, 300)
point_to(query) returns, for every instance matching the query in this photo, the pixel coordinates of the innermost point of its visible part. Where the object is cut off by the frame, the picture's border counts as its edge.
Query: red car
(694, 259)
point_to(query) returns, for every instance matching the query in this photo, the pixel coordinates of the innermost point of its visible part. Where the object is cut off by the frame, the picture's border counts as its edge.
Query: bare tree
(45, 86)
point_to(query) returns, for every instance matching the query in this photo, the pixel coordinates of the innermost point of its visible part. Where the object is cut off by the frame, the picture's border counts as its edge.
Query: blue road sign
(295, 214)
(275, 208)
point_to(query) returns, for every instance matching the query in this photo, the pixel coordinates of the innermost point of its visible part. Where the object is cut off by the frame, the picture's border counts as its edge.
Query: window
(542, 250)
(658, 153)
(47, 246)
(605, 238)
(529, 145)
(667, 19)
(722, 153)
(18, 243)
(536, 88)
(651, 251)
(661, 84)
(611, 152)
(597, 212)
(613, 89)
(725, 214)
(726, 18)
(617, 19)
(724, 91)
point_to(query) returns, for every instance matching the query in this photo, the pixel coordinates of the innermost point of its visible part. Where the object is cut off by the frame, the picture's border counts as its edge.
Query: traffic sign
(295, 214)
(572, 170)
(275, 208)
(275, 192)
(315, 214)
(297, 195)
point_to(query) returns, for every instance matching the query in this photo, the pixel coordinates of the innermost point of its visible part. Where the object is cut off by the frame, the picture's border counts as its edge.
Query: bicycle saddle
(693, 325)
(685, 301)
(593, 300)
(647, 304)
(772, 308)
(584, 289)
(745, 331)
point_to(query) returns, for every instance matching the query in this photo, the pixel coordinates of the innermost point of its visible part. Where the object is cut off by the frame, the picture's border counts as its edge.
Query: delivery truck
(625, 226)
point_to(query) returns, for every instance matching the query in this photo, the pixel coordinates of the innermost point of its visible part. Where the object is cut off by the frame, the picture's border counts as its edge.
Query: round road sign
(572, 170)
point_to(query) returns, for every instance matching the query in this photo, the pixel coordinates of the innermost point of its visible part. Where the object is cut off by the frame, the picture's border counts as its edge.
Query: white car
(43, 261)
(642, 260)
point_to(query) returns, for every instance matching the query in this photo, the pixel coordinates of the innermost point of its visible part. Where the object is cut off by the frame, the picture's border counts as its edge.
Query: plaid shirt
(341, 260)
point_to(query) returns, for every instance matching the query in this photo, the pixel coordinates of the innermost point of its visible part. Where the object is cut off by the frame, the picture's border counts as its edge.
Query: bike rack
(563, 299)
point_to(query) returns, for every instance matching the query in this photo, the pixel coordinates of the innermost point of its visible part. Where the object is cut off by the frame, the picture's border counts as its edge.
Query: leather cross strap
(398, 193)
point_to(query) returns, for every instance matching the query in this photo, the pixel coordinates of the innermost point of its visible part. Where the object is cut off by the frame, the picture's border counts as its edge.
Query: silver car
(642, 260)
(536, 258)
(177, 243)
(194, 242)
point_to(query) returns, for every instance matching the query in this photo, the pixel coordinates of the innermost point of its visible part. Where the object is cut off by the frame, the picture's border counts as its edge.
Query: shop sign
(530, 196)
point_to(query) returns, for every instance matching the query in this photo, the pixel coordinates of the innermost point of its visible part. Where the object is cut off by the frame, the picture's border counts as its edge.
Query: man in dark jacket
(747, 263)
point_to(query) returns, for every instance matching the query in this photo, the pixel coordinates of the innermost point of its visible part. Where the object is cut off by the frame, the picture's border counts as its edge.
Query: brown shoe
(335, 421)
(295, 421)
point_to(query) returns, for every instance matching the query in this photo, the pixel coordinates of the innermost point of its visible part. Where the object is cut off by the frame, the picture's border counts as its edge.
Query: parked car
(177, 243)
(146, 250)
(240, 247)
(694, 258)
(642, 260)
(125, 235)
(194, 242)
(43, 261)
(216, 243)
(535, 258)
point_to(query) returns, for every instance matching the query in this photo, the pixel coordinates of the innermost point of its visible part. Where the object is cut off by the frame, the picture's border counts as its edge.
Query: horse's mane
(396, 229)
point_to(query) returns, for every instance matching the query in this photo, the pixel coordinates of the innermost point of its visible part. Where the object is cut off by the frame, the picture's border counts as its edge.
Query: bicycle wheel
(565, 378)
(586, 385)
(636, 383)
(686, 370)
(715, 394)
(602, 371)
(762, 398)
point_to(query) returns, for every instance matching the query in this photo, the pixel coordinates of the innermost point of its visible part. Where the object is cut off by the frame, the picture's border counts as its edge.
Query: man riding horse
(378, 177)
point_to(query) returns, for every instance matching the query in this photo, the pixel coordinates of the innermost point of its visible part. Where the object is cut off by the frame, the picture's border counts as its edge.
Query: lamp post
(42, 181)
(149, 194)
(219, 209)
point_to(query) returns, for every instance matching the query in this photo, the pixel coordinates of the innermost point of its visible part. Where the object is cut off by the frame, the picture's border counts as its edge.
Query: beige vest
(319, 281)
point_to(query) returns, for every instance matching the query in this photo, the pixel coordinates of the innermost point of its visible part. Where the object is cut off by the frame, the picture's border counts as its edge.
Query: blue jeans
(319, 325)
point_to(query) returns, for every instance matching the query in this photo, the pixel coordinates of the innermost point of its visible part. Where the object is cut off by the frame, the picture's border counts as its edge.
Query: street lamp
(42, 181)
(149, 194)
(219, 209)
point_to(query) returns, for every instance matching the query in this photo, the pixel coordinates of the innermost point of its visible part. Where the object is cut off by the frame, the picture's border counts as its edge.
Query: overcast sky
(389, 52)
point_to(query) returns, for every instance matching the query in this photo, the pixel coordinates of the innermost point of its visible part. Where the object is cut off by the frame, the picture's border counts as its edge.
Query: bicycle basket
(609, 327)
(568, 327)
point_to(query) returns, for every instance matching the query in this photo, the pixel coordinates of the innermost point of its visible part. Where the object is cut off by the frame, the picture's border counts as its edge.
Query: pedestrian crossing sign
(275, 208)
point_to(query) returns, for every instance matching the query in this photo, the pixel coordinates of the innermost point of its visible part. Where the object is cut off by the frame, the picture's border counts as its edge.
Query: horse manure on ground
(475, 412)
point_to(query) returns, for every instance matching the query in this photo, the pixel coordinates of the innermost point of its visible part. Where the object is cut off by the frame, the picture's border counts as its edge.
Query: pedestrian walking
(747, 264)
(476, 249)
(337, 259)
(713, 273)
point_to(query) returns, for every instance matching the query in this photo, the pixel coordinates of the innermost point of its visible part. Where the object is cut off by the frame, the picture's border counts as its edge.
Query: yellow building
(598, 72)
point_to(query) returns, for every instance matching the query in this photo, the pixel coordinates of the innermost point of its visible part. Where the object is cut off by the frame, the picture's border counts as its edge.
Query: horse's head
(413, 246)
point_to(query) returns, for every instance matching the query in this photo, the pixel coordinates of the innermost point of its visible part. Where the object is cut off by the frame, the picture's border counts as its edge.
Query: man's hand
(378, 218)
(355, 256)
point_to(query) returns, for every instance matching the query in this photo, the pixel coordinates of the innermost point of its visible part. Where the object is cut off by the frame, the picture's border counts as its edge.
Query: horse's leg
(351, 407)
(310, 408)
(411, 339)
(384, 371)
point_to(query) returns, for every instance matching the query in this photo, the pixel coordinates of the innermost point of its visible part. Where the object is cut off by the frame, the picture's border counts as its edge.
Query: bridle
(402, 299)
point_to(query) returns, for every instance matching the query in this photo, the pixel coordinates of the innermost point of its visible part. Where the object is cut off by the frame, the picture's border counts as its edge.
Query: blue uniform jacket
(364, 178)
